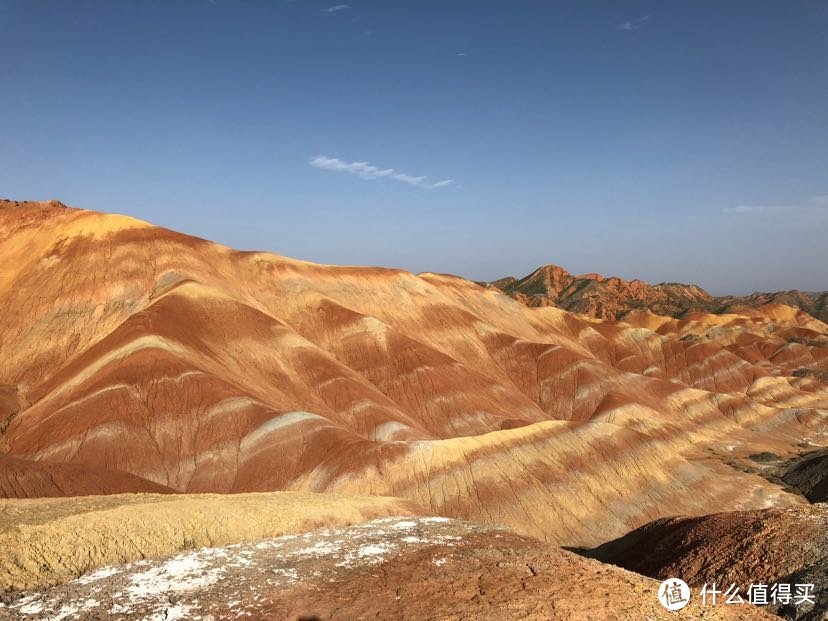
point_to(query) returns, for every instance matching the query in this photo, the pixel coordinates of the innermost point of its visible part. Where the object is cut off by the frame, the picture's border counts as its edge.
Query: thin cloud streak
(634, 24)
(337, 7)
(813, 204)
(443, 184)
(369, 172)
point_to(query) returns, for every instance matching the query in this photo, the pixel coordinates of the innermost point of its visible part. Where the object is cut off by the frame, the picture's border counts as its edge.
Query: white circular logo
(674, 594)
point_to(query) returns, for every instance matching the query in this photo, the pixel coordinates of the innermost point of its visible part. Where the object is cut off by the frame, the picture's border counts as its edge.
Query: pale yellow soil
(47, 541)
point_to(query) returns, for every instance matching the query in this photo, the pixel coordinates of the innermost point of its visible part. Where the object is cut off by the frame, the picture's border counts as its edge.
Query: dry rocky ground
(47, 541)
(773, 546)
(390, 568)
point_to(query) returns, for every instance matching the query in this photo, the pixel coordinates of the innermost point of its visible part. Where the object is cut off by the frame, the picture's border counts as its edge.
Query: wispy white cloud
(408, 178)
(368, 171)
(813, 204)
(633, 24)
(443, 184)
(337, 7)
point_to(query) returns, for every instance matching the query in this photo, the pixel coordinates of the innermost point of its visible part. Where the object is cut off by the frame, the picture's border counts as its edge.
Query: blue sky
(670, 141)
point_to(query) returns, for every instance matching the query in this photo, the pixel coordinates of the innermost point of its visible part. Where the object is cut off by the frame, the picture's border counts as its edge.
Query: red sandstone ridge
(601, 297)
(613, 297)
(152, 358)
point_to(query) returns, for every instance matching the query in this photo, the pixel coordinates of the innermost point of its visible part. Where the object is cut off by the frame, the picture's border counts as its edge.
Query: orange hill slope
(128, 348)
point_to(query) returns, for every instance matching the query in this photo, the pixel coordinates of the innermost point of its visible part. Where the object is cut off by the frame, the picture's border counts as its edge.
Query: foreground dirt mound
(47, 541)
(392, 568)
(771, 546)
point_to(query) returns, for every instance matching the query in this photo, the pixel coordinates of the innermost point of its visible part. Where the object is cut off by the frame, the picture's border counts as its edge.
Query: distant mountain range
(613, 297)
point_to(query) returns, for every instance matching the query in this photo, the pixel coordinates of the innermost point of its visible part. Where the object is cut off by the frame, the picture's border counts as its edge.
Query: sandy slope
(47, 541)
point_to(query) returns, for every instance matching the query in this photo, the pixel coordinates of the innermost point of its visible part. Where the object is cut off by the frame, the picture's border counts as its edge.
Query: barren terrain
(771, 546)
(48, 541)
(160, 393)
(141, 357)
(392, 568)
